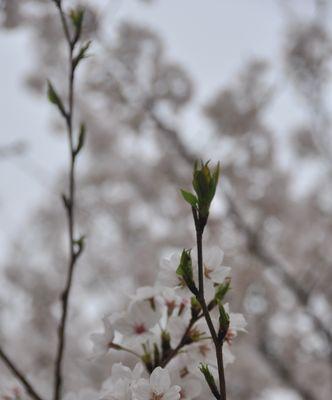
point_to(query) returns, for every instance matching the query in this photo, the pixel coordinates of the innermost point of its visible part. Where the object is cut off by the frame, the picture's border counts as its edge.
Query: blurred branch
(254, 243)
(19, 375)
(75, 245)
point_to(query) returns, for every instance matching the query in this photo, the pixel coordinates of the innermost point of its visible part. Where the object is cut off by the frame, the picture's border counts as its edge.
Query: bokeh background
(246, 82)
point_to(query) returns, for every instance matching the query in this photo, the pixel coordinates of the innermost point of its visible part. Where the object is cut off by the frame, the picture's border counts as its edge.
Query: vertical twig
(75, 246)
(199, 227)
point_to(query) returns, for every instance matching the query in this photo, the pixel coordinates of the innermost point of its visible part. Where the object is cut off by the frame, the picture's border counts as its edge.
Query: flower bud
(222, 290)
(223, 322)
(209, 379)
(205, 184)
(185, 270)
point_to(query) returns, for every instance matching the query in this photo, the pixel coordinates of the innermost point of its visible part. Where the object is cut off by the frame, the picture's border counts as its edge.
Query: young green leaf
(209, 380)
(81, 54)
(189, 198)
(55, 99)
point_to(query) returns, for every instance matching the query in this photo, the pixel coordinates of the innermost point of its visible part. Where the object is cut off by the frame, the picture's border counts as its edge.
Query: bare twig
(19, 375)
(75, 246)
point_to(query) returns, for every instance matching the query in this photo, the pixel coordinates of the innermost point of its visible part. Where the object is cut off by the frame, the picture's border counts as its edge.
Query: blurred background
(246, 82)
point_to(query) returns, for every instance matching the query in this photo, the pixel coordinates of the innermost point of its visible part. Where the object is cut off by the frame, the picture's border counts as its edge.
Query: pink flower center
(139, 329)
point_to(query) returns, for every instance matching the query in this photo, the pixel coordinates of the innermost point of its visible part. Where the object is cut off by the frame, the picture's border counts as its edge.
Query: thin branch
(254, 243)
(19, 375)
(69, 203)
(199, 226)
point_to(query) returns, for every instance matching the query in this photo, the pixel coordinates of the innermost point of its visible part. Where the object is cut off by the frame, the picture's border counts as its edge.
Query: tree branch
(69, 203)
(19, 375)
(254, 243)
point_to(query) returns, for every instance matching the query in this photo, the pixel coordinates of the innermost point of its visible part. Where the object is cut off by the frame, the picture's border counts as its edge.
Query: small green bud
(147, 361)
(55, 99)
(81, 54)
(77, 16)
(79, 244)
(205, 184)
(185, 270)
(223, 322)
(209, 380)
(222, 290)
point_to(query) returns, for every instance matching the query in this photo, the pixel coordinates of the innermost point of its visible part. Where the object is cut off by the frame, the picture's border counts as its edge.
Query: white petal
(141, 390)
(227, 355)
(192, 388)
(160, 380)
(237, 322)
(172, 394)
(219, 274)
(214, 257)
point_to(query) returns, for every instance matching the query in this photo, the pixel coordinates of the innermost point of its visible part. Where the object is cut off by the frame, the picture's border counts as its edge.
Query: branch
(254, 243)
(19, 375)
(75, 246)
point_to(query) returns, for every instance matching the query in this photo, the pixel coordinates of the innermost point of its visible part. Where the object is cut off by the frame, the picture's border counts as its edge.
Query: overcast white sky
(193, 30)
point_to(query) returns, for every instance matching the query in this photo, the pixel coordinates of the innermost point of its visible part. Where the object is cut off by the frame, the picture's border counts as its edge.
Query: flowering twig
(75, 245)
(19, 375)
(205, 183)
(254, 243)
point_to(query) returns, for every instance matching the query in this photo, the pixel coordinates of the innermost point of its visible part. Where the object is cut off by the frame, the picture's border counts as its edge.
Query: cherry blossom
(102, 342)
(157, 387)
(137, 322)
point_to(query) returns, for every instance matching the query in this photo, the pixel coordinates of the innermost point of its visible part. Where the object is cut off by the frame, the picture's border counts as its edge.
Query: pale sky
(210, 38)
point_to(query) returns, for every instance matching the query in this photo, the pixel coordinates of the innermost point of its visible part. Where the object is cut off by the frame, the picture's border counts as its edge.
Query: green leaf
(81, 54)
(223, 321)
(81, 140)
(76, 17)
(189, 198)
(222, 290)
(55, 99)
(209, 380)
(185, 271)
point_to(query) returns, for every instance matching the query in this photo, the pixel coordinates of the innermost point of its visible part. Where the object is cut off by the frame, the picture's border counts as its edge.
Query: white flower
(172, 301)
(120, 371)
(190, 387)
(158, 387)
(121, 390)
(102, 342)
(138, 321)
(145, 293)
(213, 270)
(177, 326)
(167, 273)
(118, 386)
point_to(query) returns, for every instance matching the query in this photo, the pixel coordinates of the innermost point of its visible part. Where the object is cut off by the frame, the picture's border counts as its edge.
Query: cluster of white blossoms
(164, 327)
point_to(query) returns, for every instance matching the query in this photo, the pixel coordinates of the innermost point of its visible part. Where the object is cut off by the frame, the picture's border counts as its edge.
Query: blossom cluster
(164, 327)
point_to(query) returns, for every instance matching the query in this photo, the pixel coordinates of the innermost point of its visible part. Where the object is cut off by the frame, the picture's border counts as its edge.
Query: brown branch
(19, 375)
